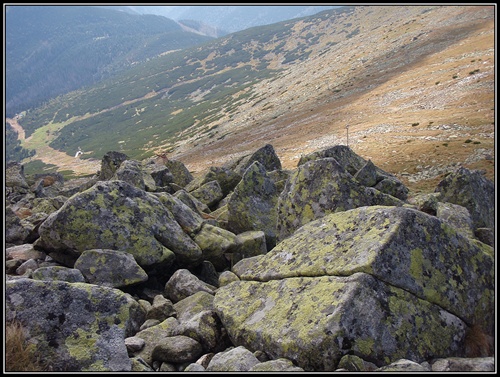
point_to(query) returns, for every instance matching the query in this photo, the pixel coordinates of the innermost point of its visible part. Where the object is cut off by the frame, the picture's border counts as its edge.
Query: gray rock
(110, 268)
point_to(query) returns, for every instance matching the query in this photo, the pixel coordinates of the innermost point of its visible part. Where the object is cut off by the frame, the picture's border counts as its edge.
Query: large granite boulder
(75, 326)
(252, 205)
(116, 215)
(472, 190)
(309, 294)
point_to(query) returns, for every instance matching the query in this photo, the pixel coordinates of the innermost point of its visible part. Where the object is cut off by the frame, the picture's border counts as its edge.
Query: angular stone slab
(404, 247)
(316, 321)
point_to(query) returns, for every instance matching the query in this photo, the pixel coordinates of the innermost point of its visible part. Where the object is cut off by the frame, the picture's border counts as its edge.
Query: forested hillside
(51, 50)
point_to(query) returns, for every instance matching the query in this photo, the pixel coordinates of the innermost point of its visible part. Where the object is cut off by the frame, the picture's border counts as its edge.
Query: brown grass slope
(415, 84)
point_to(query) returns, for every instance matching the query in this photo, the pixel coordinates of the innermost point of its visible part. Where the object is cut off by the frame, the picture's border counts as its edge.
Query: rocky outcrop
(327, 267)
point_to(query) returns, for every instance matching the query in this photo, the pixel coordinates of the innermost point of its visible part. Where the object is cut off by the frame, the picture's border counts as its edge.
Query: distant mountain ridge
(51, 50)
(231, 18)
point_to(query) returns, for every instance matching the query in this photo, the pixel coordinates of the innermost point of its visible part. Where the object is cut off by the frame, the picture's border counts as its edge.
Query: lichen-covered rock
(71, 275)
(367, 175)
(315, 321)
(250, 244)
(278, 365)
(15, 182)
(457, 216)
(115, 215)
(358, 166)
(209, 193)
(110, 268)
(177, 349)
(227, 178)
(237, 359)
(266, 156)
(459, 364)
(470, 189)
(15, 232)
(110, 163)
(75, 326)
(183, 284)
(180, 173)
(188, 218)
(401, 246)
(315, 189)
(131, 172)
(153, 335)
(253, 204)
(215, 243)
(403, 366)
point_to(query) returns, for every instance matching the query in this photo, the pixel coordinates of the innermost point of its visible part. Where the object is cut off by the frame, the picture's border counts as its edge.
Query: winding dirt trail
(51, 156)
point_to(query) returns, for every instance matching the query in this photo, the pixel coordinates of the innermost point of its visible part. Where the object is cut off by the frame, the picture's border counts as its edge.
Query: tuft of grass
(20, 355)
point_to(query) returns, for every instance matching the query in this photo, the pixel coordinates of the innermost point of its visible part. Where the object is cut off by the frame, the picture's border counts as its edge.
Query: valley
(416, 89)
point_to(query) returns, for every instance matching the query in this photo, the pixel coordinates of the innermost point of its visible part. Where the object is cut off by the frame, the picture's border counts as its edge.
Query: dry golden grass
(20, 355)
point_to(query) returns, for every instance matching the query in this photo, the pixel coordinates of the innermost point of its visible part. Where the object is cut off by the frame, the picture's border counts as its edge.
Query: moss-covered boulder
(116, 215)
(401, 246)
(252, 205)
(110, 268)
(315, 321)
(320, 187)
(110, 163)
(266, 156)
(76, 327)
(472, 190)
(368, 174)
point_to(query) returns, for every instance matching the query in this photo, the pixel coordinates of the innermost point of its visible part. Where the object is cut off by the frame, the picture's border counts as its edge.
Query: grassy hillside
(415, 84)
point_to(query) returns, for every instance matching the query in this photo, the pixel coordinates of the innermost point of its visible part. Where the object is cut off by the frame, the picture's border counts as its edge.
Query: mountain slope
(51, 50)
(415, 85)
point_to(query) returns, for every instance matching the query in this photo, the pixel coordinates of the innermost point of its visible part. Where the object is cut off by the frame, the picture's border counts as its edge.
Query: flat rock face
(401, 246)
(316, 321)
(410, 272)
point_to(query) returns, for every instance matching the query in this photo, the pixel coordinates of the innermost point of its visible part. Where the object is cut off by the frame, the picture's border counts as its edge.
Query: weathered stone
(110, 163)
(314, 321)
(180, 173)
(315, 189)
(266, 156)
(355, 363)
(278, 365)
(81, 327)
(367, 175)
(401, 246)
(187, 217)
(209, 193)
(71, 275)
(161, 309)
(457, 217)
(403, 366)
(470, 189)
(177, 349)
(110, 268)
(237, 359)
(458, 364)
(215, 243)
(115, 215)
(253, 204)
(23, 252)
(183, 284)
(153, 335)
